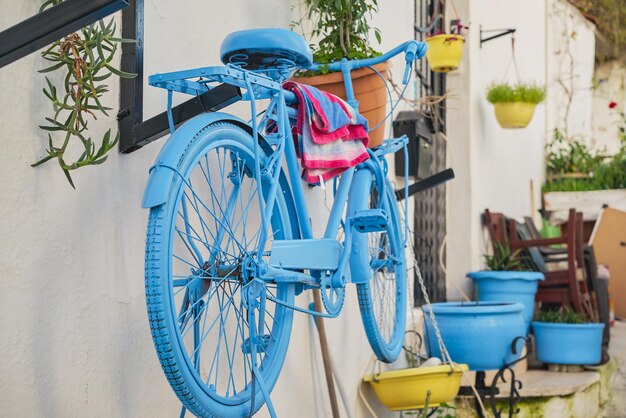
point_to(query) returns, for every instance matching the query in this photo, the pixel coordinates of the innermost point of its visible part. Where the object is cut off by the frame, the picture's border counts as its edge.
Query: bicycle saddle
(266, 49)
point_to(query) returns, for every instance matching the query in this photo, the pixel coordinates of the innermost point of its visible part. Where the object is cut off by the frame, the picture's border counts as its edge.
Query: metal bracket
(492, 390)
(500, 33)
(52, 24)
(135, 132)
(427, 183)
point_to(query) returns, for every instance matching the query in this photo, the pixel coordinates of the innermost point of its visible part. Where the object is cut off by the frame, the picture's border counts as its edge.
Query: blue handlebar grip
(410, 51)
(407, 72)
(414, 51)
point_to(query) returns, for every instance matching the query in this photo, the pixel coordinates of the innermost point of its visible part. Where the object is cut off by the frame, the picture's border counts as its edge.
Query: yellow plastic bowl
(408, 388)
(444, 52)
(513, 115)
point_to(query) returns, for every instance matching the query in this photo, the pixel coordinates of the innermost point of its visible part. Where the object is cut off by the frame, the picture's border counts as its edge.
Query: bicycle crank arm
(278, 275)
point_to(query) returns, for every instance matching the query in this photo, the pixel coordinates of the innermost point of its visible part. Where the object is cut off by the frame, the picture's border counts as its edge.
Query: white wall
(610, 80)
(75, 337)
(495, 166)
(571, 49)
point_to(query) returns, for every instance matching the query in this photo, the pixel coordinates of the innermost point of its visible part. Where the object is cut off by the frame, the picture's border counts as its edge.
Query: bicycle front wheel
(382, 298)
(217, 335)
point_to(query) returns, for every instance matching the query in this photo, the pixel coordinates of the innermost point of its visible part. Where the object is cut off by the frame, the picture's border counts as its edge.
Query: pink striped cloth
(331, 135)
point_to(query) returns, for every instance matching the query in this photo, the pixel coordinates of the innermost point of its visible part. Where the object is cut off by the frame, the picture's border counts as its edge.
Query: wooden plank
(609, 244)
(589, 203)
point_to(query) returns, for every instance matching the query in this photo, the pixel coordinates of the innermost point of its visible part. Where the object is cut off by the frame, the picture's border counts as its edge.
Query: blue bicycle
(230, 245)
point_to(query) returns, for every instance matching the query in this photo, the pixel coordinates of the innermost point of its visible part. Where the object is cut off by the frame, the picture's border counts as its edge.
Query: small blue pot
(477, 334)
(509, 286)
(568, 343)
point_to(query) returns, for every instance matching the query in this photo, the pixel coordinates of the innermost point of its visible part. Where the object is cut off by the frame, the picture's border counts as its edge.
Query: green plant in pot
(506, 281)
(342, 29)
(566, 337)
(515, 104)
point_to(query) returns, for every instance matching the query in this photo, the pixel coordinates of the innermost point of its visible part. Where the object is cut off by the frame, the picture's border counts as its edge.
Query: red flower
(612, 104)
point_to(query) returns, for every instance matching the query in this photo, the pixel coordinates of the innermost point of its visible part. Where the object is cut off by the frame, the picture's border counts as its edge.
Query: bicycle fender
(163, 172)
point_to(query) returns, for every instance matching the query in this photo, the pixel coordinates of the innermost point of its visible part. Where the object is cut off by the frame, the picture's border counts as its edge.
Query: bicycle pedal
(370, 220)
(261, 344)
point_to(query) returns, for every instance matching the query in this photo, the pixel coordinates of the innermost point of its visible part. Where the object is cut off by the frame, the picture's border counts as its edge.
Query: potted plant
(577, 176)
(515, 104)
(342, 28)
(446, 50)
(504, 281)
(564, 337)
(422, 384)
(479, 334)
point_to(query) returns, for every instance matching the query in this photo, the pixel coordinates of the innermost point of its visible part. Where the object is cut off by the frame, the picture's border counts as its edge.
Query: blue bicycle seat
(264, 49)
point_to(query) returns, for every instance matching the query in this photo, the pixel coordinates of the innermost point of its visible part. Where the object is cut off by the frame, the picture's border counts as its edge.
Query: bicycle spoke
(214, 238)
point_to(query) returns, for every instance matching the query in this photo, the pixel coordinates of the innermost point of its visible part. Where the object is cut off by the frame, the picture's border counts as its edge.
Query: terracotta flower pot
(369, 91)
(512, 115)
(444, 52)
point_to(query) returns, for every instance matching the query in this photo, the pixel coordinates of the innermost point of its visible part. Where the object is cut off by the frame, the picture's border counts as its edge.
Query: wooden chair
(564, 285)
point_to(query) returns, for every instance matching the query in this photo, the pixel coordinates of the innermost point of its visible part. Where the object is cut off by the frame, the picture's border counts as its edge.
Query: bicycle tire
(177, 303)
(382, 298)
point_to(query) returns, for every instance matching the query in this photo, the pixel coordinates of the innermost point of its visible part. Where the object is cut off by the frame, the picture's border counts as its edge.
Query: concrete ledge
(542, 383)
(554, 394)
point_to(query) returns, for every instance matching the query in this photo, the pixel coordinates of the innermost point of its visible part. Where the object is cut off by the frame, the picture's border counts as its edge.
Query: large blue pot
(509, 286)
(568, 343)
(477, 334)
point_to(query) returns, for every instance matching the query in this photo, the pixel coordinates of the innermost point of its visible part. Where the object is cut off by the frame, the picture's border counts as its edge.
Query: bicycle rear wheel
(382, 298)
(202, 298)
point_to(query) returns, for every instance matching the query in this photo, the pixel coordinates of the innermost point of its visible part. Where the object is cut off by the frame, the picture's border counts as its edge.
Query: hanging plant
(515, 104)
(84, 61)
(445, 50)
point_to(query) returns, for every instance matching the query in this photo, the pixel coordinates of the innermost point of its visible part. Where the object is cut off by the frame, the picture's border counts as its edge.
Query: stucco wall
(610, 86)
(75, 338)
(495, 166)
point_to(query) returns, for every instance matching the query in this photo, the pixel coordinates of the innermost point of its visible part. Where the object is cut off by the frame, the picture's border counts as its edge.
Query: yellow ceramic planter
(511, 115)
(444, 52)
(408, 388)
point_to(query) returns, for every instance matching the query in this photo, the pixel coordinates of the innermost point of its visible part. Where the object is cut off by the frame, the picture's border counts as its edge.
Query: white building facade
(75, 337)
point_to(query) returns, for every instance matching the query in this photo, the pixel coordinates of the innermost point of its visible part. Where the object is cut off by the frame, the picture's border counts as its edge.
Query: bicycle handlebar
(413, 50)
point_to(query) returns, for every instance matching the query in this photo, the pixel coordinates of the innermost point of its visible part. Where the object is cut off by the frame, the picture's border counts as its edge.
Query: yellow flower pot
(444, 52)
(511, 115)
(408, 388)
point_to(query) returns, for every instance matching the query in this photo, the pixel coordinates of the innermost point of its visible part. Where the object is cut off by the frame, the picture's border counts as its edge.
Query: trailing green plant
(342, 27)
(83, 61)
(521, 92)
(562, 316)
(503, 259)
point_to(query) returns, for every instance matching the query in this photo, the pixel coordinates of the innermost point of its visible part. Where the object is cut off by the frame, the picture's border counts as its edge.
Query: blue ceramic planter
(477, 334)
(509, 286)
(568, 343)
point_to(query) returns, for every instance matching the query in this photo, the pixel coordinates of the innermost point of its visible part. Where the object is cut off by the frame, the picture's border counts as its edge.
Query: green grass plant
(521, 92)
(564, 316)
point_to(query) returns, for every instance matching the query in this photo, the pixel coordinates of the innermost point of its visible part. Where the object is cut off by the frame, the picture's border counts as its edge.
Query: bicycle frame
(259, 86)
